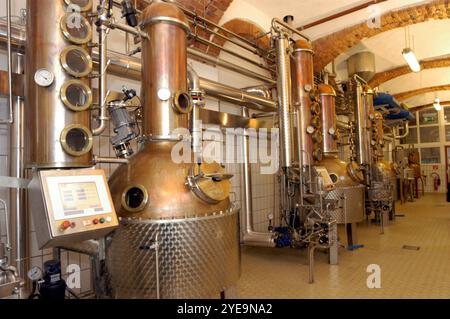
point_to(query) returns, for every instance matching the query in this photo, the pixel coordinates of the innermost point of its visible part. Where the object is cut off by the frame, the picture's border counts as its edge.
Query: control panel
(71, 206)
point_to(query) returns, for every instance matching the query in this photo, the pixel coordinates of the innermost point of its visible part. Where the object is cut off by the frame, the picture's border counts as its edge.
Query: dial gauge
(44, 77)
(35, 274)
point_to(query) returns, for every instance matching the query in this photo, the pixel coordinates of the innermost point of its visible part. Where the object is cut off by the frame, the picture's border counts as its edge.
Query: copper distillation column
(349, 194)
(179, 232)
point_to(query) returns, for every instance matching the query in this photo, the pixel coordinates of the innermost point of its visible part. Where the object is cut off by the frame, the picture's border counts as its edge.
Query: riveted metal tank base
(351, 208)
(198, 258)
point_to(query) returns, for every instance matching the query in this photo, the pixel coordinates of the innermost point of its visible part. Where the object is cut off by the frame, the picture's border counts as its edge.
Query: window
(428, 116)
(447, 115)
(447, 133)
(431, 155)
(429, 134)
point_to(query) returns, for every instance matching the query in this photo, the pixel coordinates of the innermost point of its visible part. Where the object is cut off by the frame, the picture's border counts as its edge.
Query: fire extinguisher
(436, 180)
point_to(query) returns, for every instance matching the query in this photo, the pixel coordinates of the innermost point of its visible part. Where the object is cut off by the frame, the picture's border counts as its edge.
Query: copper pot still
(349, 193)
(198, 241)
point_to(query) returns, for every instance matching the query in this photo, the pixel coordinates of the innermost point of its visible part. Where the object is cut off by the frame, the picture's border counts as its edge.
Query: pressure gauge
(44, 77)
(35, 274)
(332, 131)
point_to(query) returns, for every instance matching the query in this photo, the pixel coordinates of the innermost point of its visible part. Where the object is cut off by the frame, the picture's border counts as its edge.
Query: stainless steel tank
(58, 92)
(362, 64)
(179, 231)
(348, 193)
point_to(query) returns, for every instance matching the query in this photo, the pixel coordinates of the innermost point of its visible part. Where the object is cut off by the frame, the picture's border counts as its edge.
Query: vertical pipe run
(329, 122)
(251, 237)
(194, 124)
(10, 92)
(102, 79)
(19, 226)
(285, 98)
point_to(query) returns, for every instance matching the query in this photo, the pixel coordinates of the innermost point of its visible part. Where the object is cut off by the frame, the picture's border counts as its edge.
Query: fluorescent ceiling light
(411, 59)
(437, 104)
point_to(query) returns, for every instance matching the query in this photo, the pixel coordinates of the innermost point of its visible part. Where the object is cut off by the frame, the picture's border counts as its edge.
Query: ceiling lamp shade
(411, 59)
(437, 104)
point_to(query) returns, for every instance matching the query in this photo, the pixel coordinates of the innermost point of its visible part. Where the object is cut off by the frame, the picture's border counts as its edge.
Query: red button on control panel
(66, 225)
(96, 221)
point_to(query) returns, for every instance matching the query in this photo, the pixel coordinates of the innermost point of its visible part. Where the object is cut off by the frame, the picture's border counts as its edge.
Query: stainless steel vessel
(179, 232)
(58, 92)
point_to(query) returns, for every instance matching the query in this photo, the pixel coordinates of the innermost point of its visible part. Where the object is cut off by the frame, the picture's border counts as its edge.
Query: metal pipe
(251, 237)
(123, 65)
(276, 21)
(102, 79)
(399, 137)
(339, 15)
(215, 25)
(18, 209)
(223, 37)
(123, 27)
(197, 97)
(8, 237)
(228, 65)
(110, 160)
(259, 90)
(207, 42)
(9, 45)
(285, 98)
(235, 95)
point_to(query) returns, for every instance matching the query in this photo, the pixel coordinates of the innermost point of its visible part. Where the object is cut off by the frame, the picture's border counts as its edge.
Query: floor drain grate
(408, 247)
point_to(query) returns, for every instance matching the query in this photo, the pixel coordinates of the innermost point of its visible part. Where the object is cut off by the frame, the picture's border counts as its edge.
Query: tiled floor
(283, 273)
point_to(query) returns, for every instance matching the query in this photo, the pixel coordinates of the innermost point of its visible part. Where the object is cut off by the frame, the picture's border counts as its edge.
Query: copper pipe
(339, 15)
(130, 67)
(329, 125)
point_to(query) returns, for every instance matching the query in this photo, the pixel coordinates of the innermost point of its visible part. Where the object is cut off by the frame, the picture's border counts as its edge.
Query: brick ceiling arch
(391, 74)
(246, 29)
(331, 46)
(408, 94)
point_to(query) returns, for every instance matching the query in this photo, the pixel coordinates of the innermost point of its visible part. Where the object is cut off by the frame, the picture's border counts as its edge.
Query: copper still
(179, 232)
(305, 101)
(348, 193)
(58, 90)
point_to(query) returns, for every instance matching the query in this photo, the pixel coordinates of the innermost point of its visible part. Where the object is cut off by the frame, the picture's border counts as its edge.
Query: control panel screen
(78, 196)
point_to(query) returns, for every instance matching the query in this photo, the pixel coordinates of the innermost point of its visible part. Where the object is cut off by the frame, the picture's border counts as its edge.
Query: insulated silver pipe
(399, 137)
(251, 237)
(102, 79)
(237, 96)
(285, 98)
(19, 226)
(197, 96)
(10, 81)
(228, 65)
